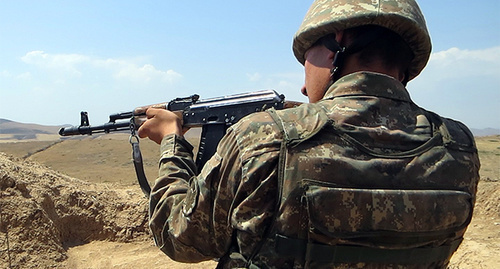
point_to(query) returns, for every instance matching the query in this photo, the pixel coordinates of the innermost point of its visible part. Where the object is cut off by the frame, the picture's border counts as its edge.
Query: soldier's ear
(331, 55)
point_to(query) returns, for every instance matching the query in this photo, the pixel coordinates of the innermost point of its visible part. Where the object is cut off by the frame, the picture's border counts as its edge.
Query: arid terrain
(75, 203)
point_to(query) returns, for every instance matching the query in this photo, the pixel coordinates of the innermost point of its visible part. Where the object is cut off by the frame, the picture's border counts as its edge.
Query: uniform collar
(368, 83)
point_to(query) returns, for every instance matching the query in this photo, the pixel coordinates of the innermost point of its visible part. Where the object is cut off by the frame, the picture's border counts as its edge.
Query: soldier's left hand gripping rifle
(213, 115)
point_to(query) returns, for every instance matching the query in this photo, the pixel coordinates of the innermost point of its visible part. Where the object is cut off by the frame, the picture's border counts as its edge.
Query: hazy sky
(58, 58)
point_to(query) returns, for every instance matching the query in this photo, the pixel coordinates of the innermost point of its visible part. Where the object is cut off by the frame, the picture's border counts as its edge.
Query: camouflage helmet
(401, 16)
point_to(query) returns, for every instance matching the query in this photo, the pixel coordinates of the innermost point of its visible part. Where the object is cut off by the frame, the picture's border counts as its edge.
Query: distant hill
(21, 131)
(485, 132)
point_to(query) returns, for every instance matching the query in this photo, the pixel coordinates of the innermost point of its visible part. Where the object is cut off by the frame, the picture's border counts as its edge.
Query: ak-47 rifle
(213, 115)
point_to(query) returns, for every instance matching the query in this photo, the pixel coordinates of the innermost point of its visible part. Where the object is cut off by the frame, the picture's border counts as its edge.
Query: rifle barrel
(88, 130)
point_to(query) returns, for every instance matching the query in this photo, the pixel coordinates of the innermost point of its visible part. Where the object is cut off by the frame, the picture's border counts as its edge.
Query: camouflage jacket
(355, 169)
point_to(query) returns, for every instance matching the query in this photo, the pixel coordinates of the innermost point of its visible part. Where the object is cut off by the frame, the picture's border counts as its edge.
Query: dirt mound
(488, 201)
(50, 220)
(43, 213)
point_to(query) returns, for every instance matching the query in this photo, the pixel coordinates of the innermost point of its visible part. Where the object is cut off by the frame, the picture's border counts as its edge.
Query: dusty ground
(51, 220)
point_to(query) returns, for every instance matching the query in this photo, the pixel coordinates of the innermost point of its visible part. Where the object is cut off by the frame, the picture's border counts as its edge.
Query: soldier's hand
(159, 123)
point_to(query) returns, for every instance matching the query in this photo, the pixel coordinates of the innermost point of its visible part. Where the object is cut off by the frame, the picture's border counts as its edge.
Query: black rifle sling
(139, 167)
(137, 158)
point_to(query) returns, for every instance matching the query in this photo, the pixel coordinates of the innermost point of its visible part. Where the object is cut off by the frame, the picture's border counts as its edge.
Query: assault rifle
(213, 115)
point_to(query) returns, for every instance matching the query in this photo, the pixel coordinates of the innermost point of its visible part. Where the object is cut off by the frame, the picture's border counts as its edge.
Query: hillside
(15, 131)
(24, 131)
(75, 203)
(485, 132)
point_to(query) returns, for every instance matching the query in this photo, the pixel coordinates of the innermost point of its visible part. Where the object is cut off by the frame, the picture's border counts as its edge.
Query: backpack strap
(291, 137)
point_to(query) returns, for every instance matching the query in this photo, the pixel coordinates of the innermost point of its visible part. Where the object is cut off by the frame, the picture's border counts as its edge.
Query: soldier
(360, 177)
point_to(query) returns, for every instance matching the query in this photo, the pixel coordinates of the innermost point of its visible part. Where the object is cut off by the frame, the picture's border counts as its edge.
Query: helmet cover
(401, 16)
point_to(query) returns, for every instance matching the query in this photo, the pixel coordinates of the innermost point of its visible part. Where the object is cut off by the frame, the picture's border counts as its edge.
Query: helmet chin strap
(341, 52)
(338, 60)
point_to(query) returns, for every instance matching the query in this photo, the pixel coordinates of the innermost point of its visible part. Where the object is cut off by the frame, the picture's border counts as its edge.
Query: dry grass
(489, 153)
(98, 158)
(108, 158)
(23, 149)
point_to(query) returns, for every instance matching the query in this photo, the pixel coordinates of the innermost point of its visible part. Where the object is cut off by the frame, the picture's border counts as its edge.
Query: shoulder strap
(291, 137)
(281, 171)
(312, 117)
(448, 140)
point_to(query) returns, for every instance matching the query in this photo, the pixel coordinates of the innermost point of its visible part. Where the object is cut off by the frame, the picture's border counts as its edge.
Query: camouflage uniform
(362, 175)
(363, 178)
